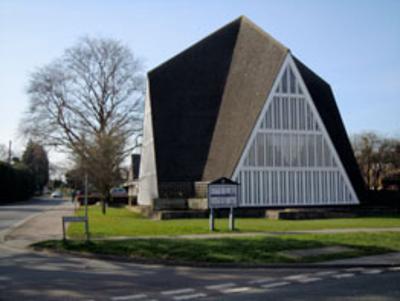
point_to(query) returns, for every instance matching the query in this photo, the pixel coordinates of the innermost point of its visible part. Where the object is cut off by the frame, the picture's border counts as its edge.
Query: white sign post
(78, 219)
(223, 193)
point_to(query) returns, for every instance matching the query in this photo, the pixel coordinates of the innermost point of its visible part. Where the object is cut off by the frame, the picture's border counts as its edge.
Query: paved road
(13, 213)
(28, 275)
(39, 276)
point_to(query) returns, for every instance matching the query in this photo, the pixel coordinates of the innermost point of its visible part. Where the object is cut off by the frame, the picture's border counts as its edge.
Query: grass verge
(122, 222)
(247, 251)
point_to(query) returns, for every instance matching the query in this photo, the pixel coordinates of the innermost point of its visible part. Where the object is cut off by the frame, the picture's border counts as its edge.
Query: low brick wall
(197, 203)
(170, 204)
(200, 189)
(293, 214)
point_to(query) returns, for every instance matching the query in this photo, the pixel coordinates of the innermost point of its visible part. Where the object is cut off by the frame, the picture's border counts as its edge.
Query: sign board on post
(77, 219)
(72, 219)
(223, 193)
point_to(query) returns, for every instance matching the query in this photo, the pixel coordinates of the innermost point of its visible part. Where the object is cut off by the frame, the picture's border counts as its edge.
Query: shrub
(16, 183)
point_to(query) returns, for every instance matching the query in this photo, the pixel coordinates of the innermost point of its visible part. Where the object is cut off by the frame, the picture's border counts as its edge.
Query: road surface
(28, 275)
(12, 214)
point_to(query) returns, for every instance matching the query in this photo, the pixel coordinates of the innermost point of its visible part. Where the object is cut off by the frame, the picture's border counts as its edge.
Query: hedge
(17, 183)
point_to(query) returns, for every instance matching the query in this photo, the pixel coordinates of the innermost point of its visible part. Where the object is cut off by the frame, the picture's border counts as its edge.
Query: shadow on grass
(260, 250)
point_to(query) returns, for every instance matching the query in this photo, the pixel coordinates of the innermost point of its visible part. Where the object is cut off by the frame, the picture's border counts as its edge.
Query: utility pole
(9, 151)
(86, 208)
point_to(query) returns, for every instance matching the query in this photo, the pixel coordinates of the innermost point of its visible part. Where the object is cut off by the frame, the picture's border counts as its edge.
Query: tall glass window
(290, 160)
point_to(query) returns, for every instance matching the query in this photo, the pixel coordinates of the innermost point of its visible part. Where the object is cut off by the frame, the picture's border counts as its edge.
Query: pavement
(29, 275)
(42, 222)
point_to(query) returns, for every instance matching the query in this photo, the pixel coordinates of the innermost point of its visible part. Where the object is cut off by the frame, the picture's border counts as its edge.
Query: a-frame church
(239, 104)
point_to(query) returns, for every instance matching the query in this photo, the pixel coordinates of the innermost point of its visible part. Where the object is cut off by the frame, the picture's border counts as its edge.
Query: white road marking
(354, 269)
(188, 297)
(310, 279)
(262, 280)
(343, 275)
(236, 290)
(176, 292)
(394, 269)
(375, 271)
(275, 284)
(325, 273)
(130, 297)
(220, 286)
(296, 277)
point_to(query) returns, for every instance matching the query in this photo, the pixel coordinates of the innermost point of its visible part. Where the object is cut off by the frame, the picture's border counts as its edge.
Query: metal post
(211, 222)
(63, 228)
(231, 220)
(86, 208)
(9, 152)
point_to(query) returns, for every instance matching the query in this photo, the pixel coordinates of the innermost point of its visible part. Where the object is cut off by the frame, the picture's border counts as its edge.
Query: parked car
(118, 192)
(57, 194)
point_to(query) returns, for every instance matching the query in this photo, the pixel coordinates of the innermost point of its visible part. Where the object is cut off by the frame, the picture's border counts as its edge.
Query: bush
(383, 198)
(93, 199)
(17, 183)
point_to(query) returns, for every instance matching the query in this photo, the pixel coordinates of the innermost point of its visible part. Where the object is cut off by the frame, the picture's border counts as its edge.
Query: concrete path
(38, 226)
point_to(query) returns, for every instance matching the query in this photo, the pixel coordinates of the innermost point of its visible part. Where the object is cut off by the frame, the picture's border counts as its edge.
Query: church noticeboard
(223, 193)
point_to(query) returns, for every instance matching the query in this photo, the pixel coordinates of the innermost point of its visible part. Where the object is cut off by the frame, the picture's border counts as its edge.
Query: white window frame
(288, 61)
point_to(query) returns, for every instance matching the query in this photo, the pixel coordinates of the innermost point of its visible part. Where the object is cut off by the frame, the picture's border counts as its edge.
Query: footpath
(38, 227)
(48, 225)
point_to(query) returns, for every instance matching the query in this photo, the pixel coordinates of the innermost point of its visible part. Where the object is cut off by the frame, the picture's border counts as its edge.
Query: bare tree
(89, 103)
(377, 156)
(3, 152)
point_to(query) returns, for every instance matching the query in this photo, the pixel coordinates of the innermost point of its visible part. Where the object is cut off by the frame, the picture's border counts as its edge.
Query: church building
(239, 104)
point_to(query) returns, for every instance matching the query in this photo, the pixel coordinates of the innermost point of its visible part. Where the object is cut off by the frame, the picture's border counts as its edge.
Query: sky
(354, 45)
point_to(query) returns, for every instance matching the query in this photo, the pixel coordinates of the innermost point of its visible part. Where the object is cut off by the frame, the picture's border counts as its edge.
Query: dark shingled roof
(321, 94)
(206, 100)
(256, 62)
(186, 94)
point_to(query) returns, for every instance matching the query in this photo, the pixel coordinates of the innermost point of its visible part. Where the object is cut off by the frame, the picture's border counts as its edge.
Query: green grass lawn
(244, 250)
(122, 222)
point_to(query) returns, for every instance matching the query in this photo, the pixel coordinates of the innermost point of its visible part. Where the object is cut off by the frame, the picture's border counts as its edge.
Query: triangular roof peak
(245, 21)
(242, 23)
(199, 95)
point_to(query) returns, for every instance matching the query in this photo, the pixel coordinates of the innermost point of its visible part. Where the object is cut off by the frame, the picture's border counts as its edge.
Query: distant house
(239, 104)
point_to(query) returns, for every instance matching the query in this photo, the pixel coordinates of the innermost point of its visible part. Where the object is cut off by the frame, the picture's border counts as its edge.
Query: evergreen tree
(35, 158)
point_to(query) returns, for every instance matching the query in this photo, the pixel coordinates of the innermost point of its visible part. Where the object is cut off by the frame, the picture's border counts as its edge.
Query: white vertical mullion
(322, 128)
(296, 197)
(289, 113)
(269, 187)
(280, 102)
(262, 199)
(337, 187)
(312, 201)
(287, 192)
(320, 187)
(242, 182)
(253, 188)
(290, 149)
(278, 182)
